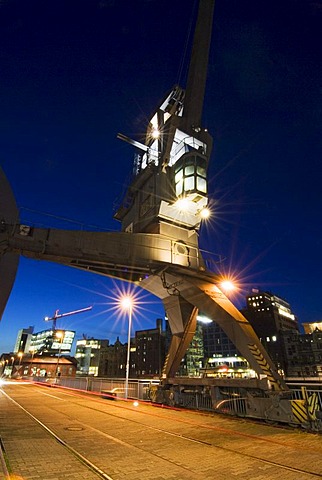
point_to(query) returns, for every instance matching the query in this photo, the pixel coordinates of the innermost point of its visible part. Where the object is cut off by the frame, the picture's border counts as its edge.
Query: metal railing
(230, 402)
(139, 389)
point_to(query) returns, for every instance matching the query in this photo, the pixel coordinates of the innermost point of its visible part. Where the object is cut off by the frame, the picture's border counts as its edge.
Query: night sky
(75, 73)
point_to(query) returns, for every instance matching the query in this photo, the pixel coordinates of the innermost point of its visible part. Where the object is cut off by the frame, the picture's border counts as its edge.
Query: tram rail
(232, 401)
(142, 421)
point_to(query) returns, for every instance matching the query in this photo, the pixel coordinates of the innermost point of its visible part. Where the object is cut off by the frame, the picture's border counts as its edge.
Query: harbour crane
(158, 245)
(161, 213)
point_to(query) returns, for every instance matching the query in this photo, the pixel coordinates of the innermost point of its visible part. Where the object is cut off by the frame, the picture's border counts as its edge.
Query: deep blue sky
(75, 73)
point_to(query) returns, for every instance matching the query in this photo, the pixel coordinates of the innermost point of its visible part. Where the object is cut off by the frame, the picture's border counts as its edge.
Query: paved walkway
(30, 452)
(144, 443)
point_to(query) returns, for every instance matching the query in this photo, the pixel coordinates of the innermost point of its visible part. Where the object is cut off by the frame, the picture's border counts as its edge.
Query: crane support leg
(182, 318)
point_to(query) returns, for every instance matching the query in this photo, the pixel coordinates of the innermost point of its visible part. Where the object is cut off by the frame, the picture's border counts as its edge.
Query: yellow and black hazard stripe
(299, 411)
(312, 403)
(262, 362)
(305, 409)
(165, 364)
(313, 406)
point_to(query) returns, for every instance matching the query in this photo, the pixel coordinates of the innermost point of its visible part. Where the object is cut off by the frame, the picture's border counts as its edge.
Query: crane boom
(197, 75)
(60, 315)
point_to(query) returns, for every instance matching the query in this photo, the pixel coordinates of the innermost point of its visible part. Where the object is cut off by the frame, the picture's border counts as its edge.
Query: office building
(269, 316)
(87, 354)
(23, 340)
(52, 342)
(193, 360)
(112, 362)
(150, 351)
(304, 352)
(215, 341)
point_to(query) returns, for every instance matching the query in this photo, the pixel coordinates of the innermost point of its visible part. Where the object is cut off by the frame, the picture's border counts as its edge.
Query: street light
(32, 350)
(59, 335)
(20, 355)
(126, 303)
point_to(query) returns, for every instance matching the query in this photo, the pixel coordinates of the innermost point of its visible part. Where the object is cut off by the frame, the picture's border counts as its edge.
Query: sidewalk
(144, 443)
(32, 453)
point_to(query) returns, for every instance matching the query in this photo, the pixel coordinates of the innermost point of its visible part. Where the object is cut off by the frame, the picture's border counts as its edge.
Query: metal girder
(118, 254)
(201, 292)
(182, 317)
(140, 258)
(197, 75)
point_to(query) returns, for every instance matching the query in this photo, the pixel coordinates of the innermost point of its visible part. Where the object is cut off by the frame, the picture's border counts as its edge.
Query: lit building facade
(193, 360)
(215, 341)
(88, 351)
(52, 342)
(312, 327)
(26, 365)
(228, 367)
(270, 316)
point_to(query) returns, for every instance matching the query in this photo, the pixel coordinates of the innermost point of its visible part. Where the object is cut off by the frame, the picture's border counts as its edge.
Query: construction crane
(60, 315)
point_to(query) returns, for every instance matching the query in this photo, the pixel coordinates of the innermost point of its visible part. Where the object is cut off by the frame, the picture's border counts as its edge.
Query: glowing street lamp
(126, 303)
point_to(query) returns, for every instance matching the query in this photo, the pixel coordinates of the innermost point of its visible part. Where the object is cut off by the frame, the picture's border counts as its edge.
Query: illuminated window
(190, 174)
(179, 188)
(201, 185)
(201, 171)
(189, 170)
(189, 183)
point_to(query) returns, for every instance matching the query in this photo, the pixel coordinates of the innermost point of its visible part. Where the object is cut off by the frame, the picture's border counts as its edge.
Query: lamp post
(32, 350)
(20, 355)
(12, 362)
(59, 335)
(126, 304)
